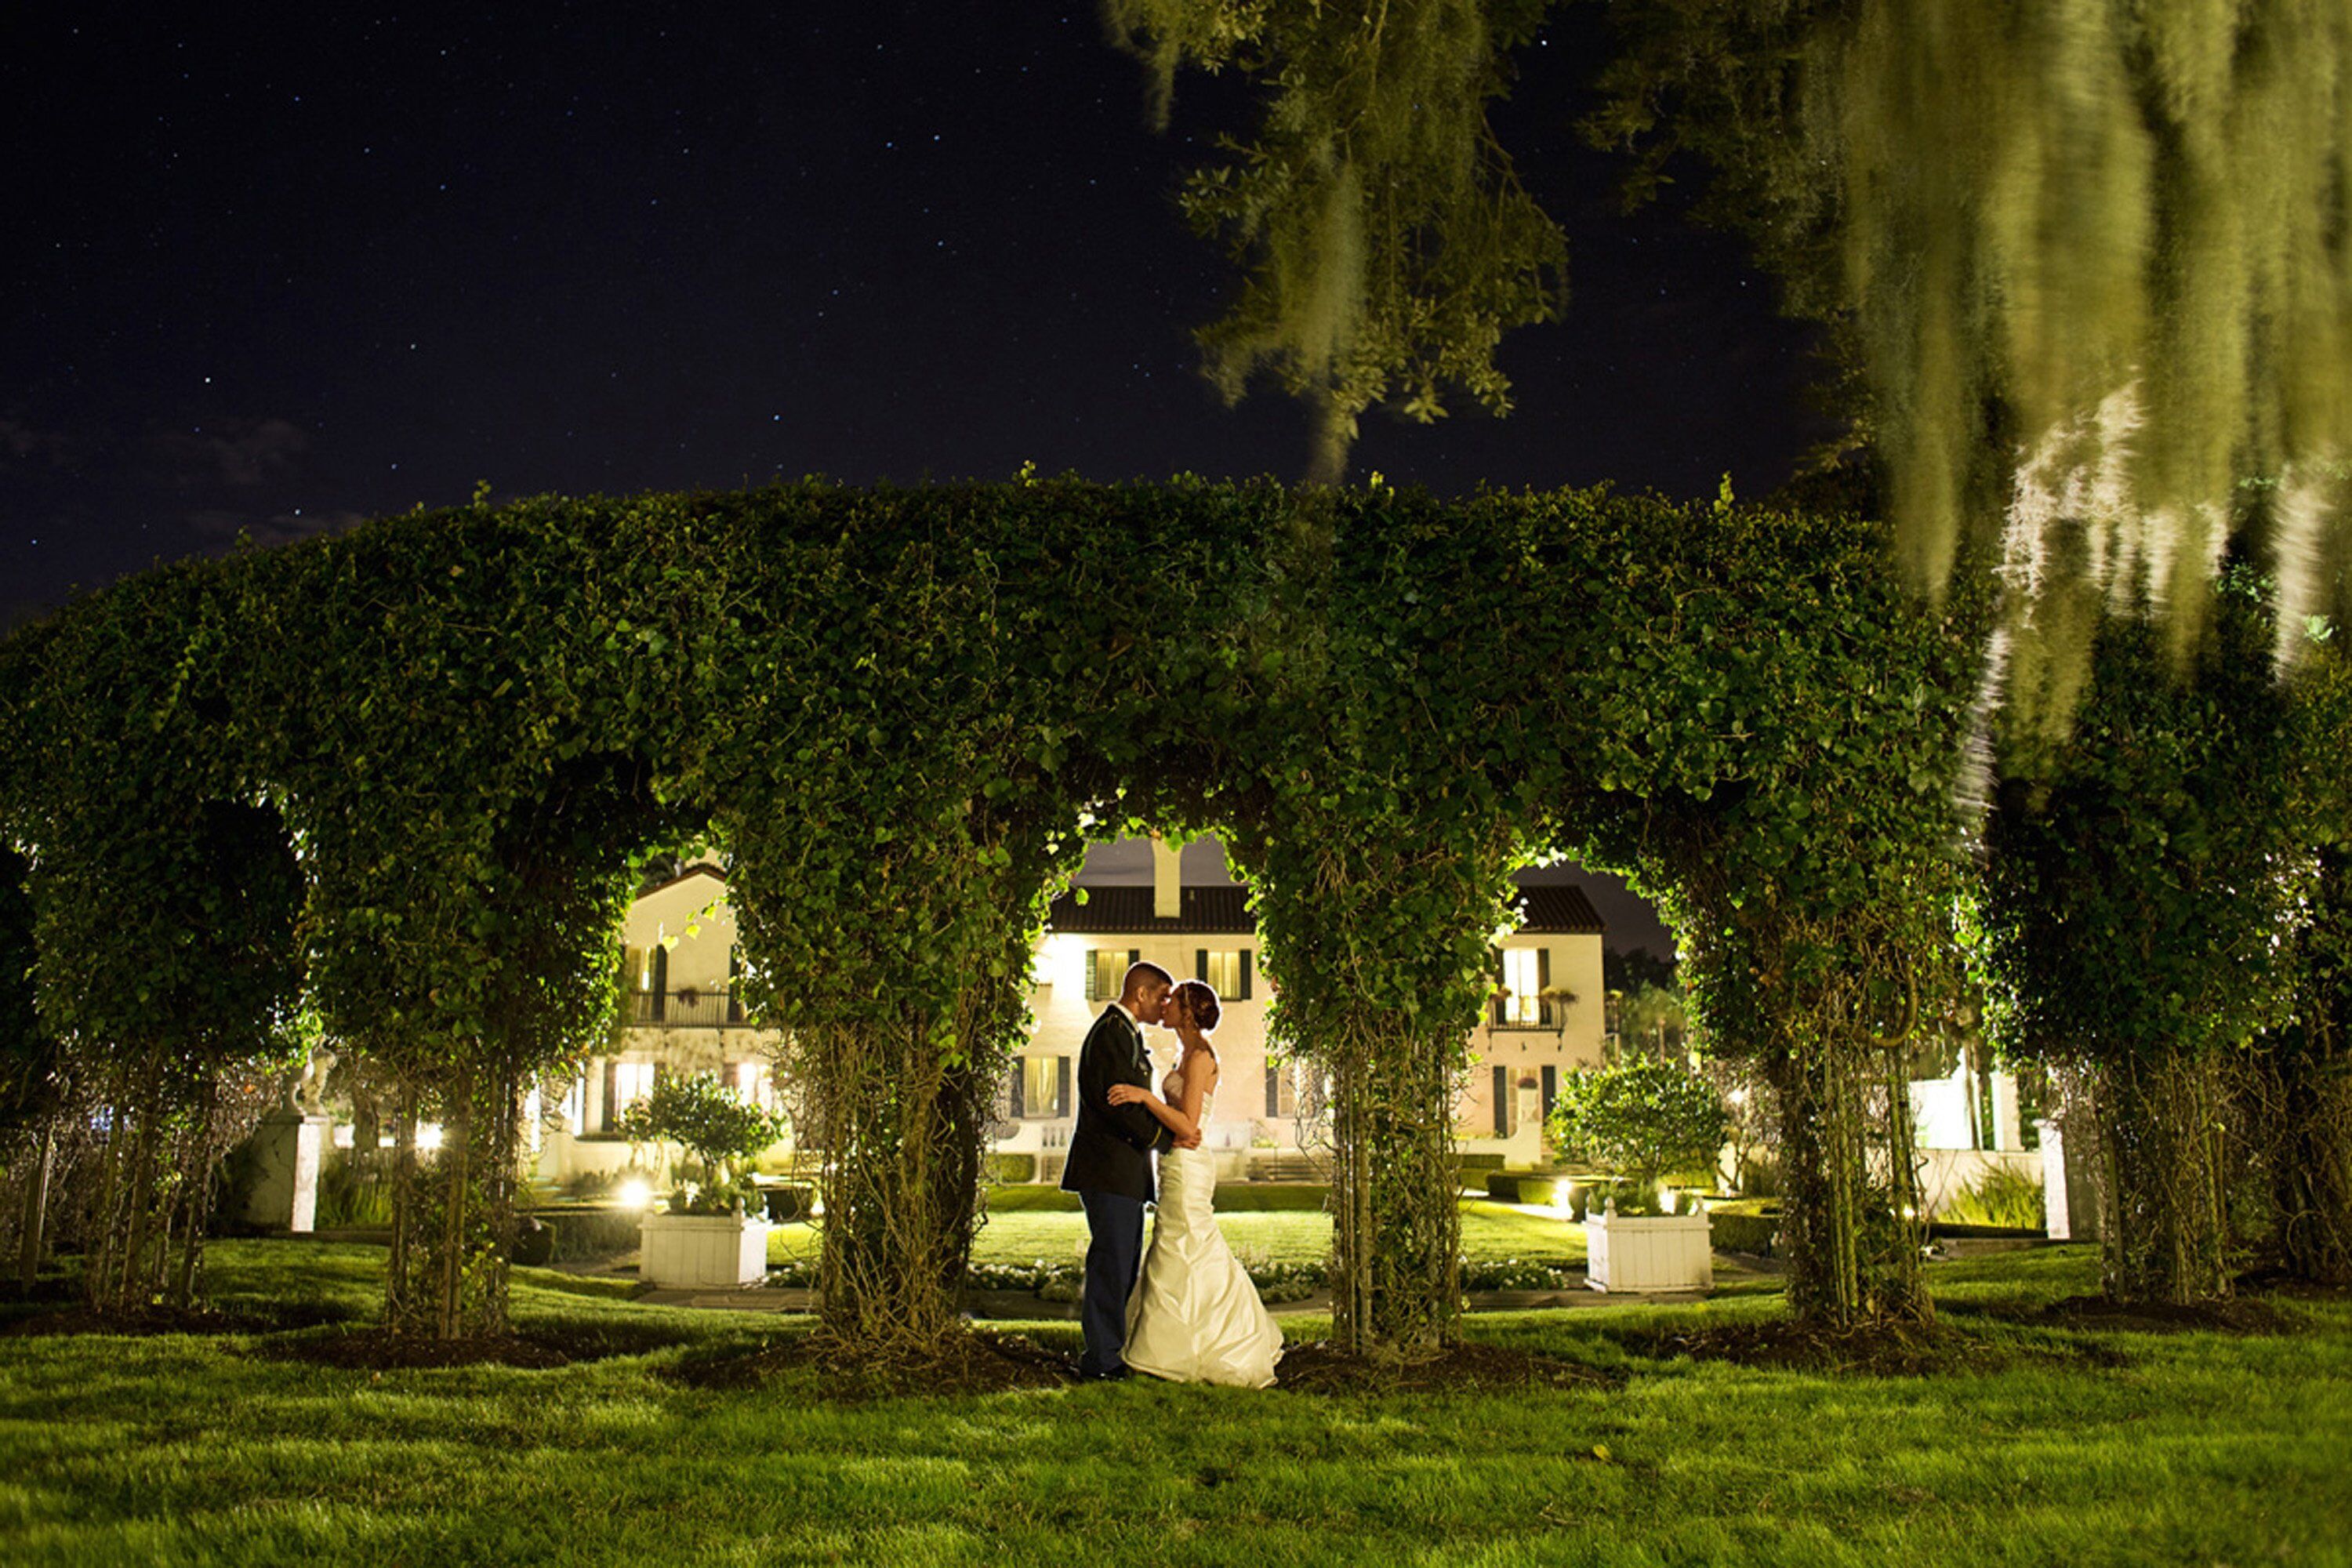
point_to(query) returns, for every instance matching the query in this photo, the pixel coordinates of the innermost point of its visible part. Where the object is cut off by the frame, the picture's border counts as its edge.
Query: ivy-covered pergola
(392, 785)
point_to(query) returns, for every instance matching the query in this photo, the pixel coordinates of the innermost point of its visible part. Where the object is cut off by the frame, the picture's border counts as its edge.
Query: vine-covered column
(1825, 1008)
(1380, 944)
(164, 898)
(901, 999)
(2140, 880)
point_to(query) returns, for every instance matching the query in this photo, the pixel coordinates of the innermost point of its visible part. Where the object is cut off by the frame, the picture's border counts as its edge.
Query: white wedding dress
(1195, 1317)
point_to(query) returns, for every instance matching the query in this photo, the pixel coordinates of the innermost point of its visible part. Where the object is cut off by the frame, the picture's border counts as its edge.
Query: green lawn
(1028, 1231)
(2088, 1448)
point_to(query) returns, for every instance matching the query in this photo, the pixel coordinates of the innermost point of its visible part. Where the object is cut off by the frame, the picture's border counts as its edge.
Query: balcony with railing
(1505, 1012)
(688, 1008)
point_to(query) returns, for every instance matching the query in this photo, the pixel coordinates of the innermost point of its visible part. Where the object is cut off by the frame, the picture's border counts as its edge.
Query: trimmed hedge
(1749, 1226)
(903, 711)
(1525, 1188)
(1031, 1199)
(575, 1233)
(1010, 1169)
(789, 1202)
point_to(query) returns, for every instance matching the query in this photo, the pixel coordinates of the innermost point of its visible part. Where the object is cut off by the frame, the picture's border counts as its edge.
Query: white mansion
(1547, 1017)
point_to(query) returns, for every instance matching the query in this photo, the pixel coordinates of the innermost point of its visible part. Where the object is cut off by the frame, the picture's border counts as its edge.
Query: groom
(1109, 1165)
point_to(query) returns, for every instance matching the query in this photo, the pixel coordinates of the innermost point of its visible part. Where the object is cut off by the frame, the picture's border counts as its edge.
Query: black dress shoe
(1115, 1374)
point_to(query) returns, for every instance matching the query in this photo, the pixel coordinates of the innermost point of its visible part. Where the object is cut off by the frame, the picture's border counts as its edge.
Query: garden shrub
(2003, 1196)
(351, 1195)
(1640, 1119)
(1007, 1170)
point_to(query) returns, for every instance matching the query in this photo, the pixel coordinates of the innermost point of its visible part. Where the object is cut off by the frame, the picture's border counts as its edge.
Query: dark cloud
(21, 440)
(279, 528)
(241, 453)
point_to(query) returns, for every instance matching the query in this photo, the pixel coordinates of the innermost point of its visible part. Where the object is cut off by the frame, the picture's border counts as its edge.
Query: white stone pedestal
(287, 1148)
(695, 1251)
(1635, 1253)
(2070, 1193)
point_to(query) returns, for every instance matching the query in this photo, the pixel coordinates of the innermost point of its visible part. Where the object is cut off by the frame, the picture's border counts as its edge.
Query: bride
(1194, 1316)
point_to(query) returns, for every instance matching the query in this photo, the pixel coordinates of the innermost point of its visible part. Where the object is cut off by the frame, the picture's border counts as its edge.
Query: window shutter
(661, 987)
(1543, 966)
(1061, 1086)
(1550, 1089)
(1094, 975)
(1201, 964)
(1245, 974)
(1019, 1081)
(1502, 1102)
(1134, 957)
(1273, 1091)
(607, 1111)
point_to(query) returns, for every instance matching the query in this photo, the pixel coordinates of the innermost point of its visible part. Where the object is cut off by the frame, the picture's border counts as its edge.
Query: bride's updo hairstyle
(1200, 1002)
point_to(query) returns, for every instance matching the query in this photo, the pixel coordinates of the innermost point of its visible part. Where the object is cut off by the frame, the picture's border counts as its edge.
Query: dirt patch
(1318, 1367)
(377, 1349)
(976, 1362)
(1875, 1350)
(2240, 1315)
(146, 1321)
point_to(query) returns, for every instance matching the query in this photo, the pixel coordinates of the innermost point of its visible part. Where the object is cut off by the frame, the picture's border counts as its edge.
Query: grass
(2088, 1447)
(1030, 1229)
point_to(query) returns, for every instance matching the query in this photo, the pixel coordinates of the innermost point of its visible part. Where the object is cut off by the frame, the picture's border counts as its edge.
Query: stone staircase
(1290, 1167)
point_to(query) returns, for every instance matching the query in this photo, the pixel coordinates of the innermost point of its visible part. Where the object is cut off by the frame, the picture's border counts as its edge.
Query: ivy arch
(905, 711)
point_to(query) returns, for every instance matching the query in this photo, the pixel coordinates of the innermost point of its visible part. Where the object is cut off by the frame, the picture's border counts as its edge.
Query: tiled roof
(1557, 909)
(1127, 910)
(1121, 910)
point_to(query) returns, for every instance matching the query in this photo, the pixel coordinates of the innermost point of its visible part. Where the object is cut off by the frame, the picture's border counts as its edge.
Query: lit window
(1045, 1087)
(1227, 973)
(1281, 1090)
(1525, 972)
(632, 1081)
(752, 1083)
(1106, 970)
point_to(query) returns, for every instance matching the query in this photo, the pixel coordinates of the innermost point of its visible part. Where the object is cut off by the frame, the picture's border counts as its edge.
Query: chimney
(1167, 878)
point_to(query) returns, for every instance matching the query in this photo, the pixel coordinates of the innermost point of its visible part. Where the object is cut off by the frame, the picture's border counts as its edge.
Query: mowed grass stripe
(2200, 1447)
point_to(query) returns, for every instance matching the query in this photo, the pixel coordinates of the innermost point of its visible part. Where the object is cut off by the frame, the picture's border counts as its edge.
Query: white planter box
(694, 1251)
(1629, 1253)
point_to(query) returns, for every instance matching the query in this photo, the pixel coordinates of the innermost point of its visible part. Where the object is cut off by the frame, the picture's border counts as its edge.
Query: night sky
(274, 269)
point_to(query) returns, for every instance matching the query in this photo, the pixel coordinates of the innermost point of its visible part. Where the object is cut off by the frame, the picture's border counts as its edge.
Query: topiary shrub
(1641, 1121)
(720, 1129)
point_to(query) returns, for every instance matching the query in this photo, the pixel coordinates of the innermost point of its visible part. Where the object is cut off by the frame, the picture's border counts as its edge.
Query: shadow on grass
(533, 1345)
(978, 1362)
(250, 1317)
(985, 1361)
